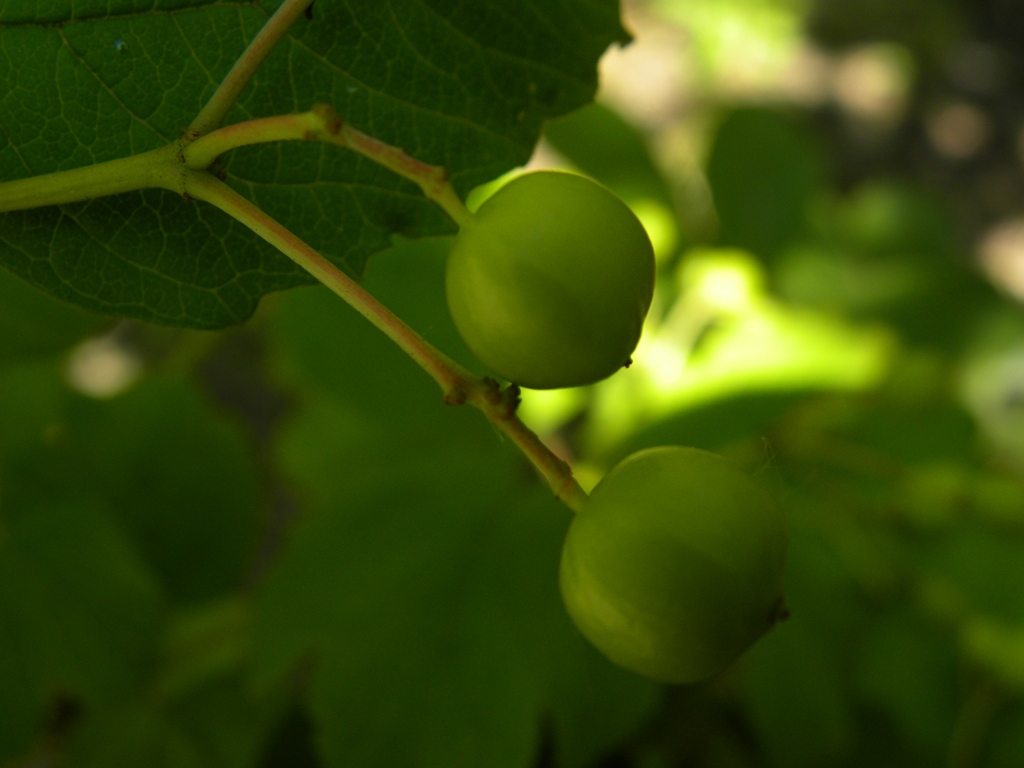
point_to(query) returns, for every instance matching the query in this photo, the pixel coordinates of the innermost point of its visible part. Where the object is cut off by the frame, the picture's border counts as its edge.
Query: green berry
(674, 565)
(550, 284)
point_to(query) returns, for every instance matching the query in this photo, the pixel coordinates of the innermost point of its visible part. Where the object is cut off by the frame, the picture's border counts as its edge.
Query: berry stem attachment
(432, 179)
(458, 384)
(555, 471)
(231, 87)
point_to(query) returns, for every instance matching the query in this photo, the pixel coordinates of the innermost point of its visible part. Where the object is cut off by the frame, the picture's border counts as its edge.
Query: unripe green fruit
(674, 565)
(550, 284)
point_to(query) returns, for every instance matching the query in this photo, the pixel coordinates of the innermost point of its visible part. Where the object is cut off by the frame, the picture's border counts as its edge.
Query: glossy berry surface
(674, 565)
(550, 284)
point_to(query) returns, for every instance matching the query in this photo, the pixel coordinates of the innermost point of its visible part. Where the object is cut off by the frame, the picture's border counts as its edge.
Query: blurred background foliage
(274, 546)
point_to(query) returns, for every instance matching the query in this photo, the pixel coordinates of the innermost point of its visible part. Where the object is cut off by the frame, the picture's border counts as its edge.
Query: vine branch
(157, 168)
(166, 167)
(458, 385)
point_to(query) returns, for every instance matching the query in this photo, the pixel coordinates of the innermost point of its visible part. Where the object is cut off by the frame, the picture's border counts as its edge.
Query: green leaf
(32, 399)
(219, 724)
(796, 699)
(422, 657)
(178, 478)
(915, 431)
(34, 325)
(1005, 745)
(713, 426)
(888, 252)
(908, 670)
(794, 678)
(762, 170)
(108, 506)
(78, 615)
(981, 563)
(465, 86)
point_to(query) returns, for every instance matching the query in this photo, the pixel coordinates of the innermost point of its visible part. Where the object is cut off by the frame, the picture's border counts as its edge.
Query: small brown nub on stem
(629, 362)
(513, 397)
(455, 397)
(332, 121)
(186, 197)
(492, 393)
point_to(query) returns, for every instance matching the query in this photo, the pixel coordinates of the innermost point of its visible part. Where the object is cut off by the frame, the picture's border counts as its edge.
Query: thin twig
(227, 93)
(322, 123)
(306, 126)
(432, 179)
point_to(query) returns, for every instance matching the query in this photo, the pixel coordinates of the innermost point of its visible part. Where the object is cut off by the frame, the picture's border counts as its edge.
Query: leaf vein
(110, 91)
